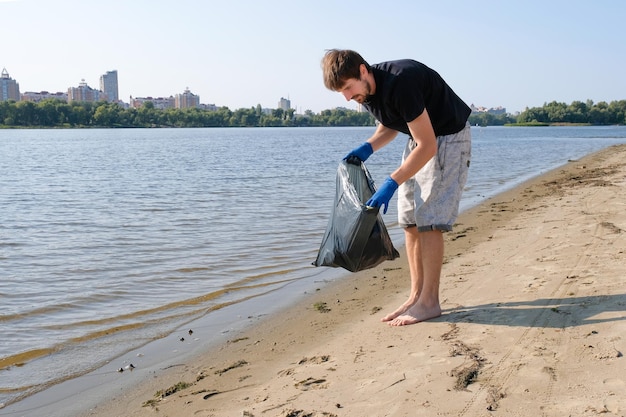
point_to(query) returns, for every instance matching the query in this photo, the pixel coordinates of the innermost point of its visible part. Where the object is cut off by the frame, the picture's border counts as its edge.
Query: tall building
(9, 88)
(108, 85)
(187, 100)
(284, 103)
(84, 93)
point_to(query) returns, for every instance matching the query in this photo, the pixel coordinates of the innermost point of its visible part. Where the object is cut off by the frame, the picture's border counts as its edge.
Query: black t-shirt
(405, 87)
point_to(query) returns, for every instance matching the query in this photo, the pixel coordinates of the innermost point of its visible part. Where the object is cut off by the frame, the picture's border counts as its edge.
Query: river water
(113, 238)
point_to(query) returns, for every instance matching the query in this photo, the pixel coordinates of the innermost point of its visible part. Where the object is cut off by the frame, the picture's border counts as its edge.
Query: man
(406, 96)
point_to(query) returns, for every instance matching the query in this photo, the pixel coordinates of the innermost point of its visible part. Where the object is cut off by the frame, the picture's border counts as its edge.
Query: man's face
(357, 90)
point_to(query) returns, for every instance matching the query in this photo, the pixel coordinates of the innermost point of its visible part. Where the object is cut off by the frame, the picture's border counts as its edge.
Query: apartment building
(36, 97)
(187, 100)
(161, 103)
(108, 85)
(284, 104)
(84, 93)
(9, 88)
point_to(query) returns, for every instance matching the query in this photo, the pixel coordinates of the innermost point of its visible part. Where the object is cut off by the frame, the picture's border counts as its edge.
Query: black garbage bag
(356, 237)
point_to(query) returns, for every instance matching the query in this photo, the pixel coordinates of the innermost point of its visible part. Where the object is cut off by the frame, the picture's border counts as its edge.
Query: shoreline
(344, 362)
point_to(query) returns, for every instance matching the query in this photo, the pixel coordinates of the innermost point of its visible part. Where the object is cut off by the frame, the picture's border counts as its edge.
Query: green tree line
(601, 113)
(56, 113)
(587, 113)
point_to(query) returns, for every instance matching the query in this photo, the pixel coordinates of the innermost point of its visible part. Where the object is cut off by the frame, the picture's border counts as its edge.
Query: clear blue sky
(239, 53)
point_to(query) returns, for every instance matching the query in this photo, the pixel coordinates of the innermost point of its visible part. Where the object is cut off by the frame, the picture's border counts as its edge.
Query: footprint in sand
(315, 359)
(615, 402)
(311, 383)
(287, 372)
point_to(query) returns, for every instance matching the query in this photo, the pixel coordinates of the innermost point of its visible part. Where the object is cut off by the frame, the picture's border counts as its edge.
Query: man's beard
(368, 92)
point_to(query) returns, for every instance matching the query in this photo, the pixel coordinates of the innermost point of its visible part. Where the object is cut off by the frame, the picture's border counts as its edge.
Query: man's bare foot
(399, 311)
(415, 314)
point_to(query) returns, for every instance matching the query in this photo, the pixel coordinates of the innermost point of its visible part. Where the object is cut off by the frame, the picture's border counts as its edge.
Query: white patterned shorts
(430, 199)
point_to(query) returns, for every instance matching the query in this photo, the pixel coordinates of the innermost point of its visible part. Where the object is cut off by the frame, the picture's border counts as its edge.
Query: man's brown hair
(339, 65)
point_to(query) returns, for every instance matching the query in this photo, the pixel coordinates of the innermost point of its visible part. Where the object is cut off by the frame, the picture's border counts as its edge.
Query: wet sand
(534, 324)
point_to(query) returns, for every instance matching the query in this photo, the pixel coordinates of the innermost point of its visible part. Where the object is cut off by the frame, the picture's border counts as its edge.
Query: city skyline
(239, 55)
(109, 92)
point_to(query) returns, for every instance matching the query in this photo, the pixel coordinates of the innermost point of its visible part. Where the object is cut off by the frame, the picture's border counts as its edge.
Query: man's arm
(382, 136)
(424, 136)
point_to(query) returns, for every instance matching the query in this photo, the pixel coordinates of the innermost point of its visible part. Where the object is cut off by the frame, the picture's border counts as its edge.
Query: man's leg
(431, 200)
(415, 269)
(429, 258)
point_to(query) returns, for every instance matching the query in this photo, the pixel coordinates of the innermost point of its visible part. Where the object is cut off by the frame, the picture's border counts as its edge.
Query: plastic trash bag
(356, 237)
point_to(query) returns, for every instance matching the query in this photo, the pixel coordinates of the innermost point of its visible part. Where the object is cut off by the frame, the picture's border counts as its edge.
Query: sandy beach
(534, 324)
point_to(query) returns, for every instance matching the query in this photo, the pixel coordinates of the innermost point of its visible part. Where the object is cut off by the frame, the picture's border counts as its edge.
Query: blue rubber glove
(360, 154)
(382, 196)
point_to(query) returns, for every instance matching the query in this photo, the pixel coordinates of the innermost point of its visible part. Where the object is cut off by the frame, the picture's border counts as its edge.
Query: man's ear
(362, 71)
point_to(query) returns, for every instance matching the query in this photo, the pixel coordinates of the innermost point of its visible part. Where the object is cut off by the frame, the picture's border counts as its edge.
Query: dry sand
(534, 324)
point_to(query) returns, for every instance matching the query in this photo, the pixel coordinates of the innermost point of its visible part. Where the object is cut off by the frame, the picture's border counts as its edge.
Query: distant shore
(538, 124)
(563, 124)
(102, 114)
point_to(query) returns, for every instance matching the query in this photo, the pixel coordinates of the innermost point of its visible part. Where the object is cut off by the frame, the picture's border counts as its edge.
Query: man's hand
(360, 154)
(383, 195)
